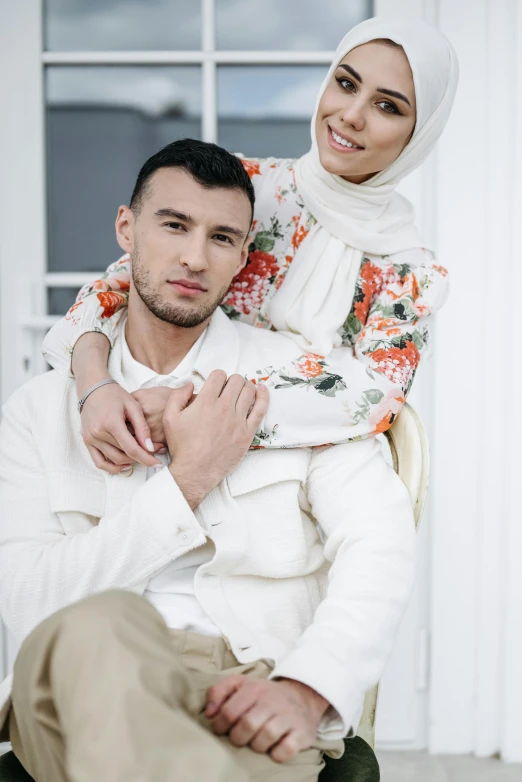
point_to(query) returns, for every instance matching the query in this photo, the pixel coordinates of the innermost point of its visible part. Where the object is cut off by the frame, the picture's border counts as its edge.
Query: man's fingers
(234, 708)
(233, 389)
(259, 409)
(220, 692)
(213, 385)
(134, 415)
(250, 724)
(179, 399)
(289, 746)
(270, 733)
(246, 399)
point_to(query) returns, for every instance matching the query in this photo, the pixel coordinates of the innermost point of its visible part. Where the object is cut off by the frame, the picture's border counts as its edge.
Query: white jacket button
(187, 537)
(127, 473)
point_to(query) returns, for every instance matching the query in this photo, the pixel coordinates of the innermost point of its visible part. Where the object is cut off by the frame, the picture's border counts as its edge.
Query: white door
(99, 86)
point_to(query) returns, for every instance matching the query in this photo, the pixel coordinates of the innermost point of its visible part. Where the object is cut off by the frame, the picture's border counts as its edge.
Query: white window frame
(35, 320)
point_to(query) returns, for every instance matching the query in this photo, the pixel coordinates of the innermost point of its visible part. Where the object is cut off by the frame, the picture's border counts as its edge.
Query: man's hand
(280, 717)
(153, 402)
(209, 437)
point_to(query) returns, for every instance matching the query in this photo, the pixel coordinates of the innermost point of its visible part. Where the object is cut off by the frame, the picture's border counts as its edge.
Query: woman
(335, 259)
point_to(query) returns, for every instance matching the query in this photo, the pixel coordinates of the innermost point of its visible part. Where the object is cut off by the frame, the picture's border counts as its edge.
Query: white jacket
(325, 614)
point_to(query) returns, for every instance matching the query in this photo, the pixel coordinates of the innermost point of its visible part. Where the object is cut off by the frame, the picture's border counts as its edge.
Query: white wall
(476, 524)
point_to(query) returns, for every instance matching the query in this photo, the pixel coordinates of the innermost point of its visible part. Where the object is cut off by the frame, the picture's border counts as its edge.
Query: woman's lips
(340, 147)
(186, 290)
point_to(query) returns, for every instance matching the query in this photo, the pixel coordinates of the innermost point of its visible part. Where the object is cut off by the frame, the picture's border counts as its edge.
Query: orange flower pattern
(110, 302)
(386, 329)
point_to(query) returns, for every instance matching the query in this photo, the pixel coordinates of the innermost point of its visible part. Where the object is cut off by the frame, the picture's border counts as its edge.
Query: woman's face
(369, 103)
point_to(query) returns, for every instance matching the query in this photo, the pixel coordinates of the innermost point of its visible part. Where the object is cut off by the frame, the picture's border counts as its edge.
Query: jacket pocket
(267, 467)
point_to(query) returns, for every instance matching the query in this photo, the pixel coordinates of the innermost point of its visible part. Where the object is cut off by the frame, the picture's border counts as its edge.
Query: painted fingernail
(158, 466)
(148, 443)
(162, 450)
(125, 467)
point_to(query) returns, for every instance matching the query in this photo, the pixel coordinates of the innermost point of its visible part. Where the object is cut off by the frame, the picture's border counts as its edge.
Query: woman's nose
(353, 114)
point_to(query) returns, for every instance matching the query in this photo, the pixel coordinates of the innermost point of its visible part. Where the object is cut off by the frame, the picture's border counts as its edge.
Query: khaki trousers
(103, 691)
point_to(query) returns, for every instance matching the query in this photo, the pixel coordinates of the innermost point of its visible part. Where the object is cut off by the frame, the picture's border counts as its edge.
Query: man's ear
(244, 256)
(125, 228)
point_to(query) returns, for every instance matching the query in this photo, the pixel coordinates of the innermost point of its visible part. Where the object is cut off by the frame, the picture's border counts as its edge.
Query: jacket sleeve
(365, 514)
(42, 569)
(358, 390)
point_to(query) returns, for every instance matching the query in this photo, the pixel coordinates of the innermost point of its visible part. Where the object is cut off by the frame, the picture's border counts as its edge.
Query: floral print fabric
(358, 390)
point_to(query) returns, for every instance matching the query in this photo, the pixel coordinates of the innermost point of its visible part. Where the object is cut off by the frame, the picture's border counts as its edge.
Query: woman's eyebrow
(384, 90)
(351, 71)
(394, 94)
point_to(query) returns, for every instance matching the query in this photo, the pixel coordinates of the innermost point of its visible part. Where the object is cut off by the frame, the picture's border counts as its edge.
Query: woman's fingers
(134, 415)
(114, 455)
(127, 443)
(101, 462)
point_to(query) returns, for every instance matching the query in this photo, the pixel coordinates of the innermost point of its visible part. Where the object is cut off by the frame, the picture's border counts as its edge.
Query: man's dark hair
(210, 165)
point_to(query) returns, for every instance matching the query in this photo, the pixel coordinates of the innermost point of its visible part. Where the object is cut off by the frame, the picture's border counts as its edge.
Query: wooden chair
(410, 454)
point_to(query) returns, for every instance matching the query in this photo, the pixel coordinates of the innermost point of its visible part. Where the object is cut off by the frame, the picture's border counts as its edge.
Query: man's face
(187, 243)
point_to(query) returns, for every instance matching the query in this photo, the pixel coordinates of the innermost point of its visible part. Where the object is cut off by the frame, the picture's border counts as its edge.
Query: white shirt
(171, 591)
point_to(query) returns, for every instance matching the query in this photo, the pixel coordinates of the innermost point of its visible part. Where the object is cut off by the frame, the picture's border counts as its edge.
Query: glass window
(265, 110)
(100, 25)
(102, 124)
(59, 300)
(292, 24)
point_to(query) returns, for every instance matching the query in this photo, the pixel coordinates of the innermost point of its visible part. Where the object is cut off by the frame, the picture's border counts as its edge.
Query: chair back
(411, 461)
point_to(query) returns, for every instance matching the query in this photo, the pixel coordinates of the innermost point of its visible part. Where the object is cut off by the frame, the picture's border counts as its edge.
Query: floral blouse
(356, 391)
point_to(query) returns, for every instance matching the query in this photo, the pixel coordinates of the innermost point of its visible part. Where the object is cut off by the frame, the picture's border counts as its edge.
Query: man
(258, 592)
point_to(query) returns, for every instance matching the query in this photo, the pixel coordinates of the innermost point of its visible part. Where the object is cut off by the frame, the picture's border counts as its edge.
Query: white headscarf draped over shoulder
(318, 290)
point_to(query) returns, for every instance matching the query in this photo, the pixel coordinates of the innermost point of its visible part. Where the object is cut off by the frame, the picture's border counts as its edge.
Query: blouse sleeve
(358, 390)
(96, 309)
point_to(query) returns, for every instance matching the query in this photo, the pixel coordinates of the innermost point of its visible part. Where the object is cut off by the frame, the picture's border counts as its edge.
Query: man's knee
(82, 621)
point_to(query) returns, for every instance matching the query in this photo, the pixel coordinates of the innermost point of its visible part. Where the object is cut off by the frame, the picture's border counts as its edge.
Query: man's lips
(187, 287)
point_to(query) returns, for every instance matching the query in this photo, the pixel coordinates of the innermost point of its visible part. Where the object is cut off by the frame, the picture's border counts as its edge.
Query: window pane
(102, 124)
(87, 25)
(265, 110)
(59, 300)
(294, 24)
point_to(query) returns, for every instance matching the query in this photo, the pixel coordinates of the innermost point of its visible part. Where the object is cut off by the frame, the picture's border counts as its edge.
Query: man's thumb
(180, 398)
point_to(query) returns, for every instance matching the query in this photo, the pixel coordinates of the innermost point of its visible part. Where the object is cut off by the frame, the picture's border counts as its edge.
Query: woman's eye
(389, 108)
(346, 84)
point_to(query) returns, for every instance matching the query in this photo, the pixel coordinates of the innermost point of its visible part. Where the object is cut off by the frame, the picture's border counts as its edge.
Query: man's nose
(194, 256)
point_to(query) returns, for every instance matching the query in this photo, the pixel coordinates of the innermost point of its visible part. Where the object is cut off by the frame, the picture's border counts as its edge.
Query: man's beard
(164, 310)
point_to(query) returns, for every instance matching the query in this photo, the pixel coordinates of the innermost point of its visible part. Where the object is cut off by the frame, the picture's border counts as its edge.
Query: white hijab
(318, 290)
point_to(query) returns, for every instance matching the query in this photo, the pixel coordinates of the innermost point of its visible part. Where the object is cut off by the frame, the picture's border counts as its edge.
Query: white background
(469, 596)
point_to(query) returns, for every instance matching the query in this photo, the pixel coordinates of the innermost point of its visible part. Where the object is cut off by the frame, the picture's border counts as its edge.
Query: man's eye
(174, 225)
(223, 238)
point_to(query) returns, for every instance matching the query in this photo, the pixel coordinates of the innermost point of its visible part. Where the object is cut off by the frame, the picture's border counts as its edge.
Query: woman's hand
(106, 417)
(153, 402)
